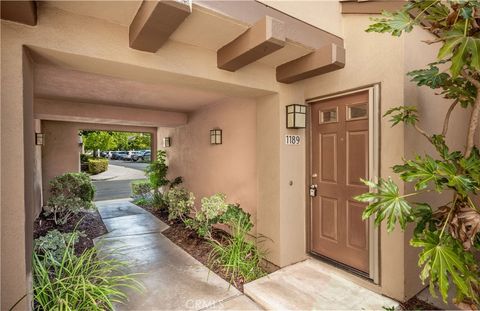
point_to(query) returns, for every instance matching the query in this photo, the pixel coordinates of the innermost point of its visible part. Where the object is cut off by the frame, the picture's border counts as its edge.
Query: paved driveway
(133, 165)
(173, 279)
(115, 182)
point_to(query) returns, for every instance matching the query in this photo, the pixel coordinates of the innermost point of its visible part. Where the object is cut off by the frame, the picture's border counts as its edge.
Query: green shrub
(87, 282)
(212, 209)
(69, 194)
(158, 201)
(55, 243)
(179, 201)
(157, 171)
(141, 188)
(97, 166)
(239, 257)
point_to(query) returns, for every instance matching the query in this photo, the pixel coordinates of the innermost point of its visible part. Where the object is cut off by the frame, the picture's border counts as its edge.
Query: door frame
(373, 168)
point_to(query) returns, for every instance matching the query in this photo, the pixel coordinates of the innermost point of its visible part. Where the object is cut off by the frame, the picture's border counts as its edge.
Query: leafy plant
(141, 201)
(55, 243)
(83, 283)
(157, 171)
(176, 181)
(448, 235)
(180, 203)
(141, 189)
(69, 194)
(212, 209)
(239, 256)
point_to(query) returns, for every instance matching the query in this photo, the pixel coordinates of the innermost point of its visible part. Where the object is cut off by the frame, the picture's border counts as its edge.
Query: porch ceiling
(214, 24)
(53, 82)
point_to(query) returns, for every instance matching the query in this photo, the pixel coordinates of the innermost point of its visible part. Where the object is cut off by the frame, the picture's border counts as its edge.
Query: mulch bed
(89, 222)
(417, 304)
(193, 244)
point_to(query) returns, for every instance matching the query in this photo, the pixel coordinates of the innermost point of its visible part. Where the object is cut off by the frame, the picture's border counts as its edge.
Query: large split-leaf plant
(447, 235)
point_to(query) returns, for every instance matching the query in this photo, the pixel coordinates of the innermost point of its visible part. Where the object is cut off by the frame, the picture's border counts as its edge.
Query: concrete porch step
(311, 285)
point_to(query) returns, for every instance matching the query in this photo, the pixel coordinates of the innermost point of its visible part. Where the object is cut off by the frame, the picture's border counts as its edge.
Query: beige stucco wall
(60, 110)
(324, 14)
(229, 168)
(37, 180)
(61, 152)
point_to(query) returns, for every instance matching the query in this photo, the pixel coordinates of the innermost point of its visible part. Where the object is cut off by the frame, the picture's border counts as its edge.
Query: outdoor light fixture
(39, 139)
(296, 116)
(216, 137)
(167, 142)
(80, 140)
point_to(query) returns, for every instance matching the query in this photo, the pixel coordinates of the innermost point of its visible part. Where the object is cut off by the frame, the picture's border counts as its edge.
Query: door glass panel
(357, 112)
(328, 116)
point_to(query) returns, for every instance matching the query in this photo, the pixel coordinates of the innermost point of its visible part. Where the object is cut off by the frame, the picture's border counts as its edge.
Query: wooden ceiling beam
(371, 7)
(24, 12)
(155, 21)
(331, 57)
(263, 38)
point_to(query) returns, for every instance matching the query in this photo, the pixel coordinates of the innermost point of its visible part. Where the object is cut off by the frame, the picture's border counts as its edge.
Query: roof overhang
(328, 53)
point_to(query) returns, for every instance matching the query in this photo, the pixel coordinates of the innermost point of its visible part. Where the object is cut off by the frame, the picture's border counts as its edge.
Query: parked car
(145, 156)
(119, 155)
(136, 155)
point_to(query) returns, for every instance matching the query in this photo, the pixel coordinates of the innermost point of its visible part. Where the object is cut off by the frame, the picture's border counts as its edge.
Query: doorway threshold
(312, 285)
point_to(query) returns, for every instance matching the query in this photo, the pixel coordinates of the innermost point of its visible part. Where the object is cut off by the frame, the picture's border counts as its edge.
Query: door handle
(313, 190)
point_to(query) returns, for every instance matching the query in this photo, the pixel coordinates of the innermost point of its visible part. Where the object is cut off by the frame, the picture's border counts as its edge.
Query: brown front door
(339, 145)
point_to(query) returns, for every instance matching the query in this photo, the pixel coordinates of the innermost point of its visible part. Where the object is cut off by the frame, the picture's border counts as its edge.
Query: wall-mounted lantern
(39, 139)
(80, 140)
(167, 142)
(216, 136)
(296, 116)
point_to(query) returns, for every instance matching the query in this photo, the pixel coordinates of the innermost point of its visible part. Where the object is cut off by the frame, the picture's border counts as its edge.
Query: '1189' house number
(292, 139)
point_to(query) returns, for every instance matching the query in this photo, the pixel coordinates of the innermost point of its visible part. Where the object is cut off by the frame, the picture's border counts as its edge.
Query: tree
(447, 235)
(98, 140)
(108, 140)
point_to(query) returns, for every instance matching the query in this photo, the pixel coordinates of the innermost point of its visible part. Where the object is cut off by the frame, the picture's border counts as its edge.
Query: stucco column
(14, 256)
(292, 181)
(268, 175)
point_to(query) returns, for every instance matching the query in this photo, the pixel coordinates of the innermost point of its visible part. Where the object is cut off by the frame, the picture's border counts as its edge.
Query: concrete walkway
(173, 279)
(111, 190)
(311, 285)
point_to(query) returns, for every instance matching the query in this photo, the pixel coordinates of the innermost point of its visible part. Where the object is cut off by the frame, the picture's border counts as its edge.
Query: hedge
(96, 166)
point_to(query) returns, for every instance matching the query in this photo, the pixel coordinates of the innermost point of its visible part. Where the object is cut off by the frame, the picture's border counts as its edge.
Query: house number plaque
(292, 139)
